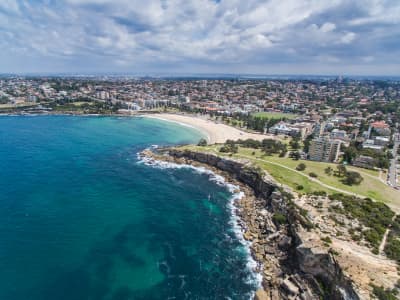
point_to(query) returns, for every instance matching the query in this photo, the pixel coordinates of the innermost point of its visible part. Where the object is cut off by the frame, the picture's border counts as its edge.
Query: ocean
(82, 217)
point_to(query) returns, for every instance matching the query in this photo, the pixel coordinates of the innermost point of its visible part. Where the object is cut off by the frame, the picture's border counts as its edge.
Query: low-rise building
(381, 128)
(280, 128)
(364, 161)
(338, 134)
(370, 144)
(381, 140)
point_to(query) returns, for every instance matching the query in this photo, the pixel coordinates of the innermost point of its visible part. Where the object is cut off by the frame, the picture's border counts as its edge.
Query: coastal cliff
(278, 231)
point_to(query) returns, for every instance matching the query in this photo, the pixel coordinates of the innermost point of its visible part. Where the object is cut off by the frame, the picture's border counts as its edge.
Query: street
(393, 173)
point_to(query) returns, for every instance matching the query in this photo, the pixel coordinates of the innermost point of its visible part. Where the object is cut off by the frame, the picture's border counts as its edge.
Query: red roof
(379, 124)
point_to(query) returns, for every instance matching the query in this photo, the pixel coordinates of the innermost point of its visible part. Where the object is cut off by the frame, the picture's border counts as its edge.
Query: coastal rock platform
(291, 267)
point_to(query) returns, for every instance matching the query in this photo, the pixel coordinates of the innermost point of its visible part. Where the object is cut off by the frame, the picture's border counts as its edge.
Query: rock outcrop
(272, 222)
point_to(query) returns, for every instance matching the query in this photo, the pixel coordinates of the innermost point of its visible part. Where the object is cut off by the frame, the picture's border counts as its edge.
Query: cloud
(192, 35)
(348, 37)
(328, 27)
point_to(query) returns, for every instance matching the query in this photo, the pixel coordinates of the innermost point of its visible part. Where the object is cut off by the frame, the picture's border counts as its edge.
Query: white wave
(238, 227)
(202, 132)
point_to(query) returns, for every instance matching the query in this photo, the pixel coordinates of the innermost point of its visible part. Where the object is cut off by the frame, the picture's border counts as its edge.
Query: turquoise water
(81, 218)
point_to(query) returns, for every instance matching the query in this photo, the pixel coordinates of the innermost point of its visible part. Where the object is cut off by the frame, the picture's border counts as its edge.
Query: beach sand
(215, 132)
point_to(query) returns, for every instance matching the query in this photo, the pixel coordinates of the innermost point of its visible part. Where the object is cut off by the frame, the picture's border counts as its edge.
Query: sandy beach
(215, 132)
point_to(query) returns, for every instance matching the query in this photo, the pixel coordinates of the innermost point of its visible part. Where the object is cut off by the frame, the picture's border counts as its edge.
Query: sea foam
(237, 226)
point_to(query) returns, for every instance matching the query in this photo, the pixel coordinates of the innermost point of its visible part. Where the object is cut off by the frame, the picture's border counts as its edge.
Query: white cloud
(348, 37)
(251, 32)
(327, 27)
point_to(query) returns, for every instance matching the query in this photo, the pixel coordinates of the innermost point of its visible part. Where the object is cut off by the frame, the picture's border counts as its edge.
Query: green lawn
(371, 186)
(275, 115)
(19, 105)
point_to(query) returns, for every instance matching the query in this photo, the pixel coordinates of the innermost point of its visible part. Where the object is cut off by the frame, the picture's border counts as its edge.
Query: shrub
(301, 167)
(279, 219)
(327, 240)
(392, 248)
(202, 142)
(382, 294)
(300, 187)
(312, 174)
(319, 193)
(229, 147)
(295, 155)
(375, 215)
(328, 171)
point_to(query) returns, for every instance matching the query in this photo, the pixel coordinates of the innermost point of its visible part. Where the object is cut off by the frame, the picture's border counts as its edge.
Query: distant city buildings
(361, 114)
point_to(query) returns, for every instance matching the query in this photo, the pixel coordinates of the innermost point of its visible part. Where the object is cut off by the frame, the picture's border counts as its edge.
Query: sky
(327, 37)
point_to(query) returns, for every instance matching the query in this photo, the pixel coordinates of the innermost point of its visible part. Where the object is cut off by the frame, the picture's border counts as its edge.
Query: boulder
(261, 295)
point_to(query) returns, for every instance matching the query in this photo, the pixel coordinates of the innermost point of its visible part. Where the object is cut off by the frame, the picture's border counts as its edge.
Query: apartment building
(324, 149)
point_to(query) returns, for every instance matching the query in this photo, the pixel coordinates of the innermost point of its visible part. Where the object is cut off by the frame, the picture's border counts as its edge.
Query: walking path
(395, 208)
(383, 243)
(309, 177)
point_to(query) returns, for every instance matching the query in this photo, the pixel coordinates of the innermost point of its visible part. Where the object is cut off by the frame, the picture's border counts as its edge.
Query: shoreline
(202, 131)
(241, 193)
(216, 132)
(289, 258)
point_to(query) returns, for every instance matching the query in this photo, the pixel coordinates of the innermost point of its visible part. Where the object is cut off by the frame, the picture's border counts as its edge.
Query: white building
(324, 149)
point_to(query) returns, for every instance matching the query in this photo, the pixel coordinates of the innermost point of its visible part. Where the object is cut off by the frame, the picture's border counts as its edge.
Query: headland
(307, 246)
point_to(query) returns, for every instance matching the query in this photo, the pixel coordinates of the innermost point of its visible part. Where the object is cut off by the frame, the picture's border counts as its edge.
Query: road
(392, 172)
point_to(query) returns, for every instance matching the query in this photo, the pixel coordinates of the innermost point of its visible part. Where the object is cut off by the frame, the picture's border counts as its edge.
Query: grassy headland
(283, 169)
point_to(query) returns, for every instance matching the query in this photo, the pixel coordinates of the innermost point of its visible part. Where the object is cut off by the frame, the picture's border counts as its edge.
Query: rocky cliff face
(272, 222)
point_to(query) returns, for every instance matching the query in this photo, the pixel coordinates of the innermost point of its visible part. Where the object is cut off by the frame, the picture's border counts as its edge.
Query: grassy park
(283, 169)
(274, 115)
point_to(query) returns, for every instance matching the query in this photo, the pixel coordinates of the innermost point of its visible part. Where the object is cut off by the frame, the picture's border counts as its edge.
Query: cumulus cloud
(198, 35)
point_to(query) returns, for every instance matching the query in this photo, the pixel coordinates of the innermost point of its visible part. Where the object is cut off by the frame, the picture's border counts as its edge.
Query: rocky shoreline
(274, 225)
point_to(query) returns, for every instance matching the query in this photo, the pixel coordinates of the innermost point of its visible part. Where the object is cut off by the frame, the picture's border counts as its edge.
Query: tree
(202, 142)
(301, 167)
(295, 155)
(328, 171)
(352, 178)
(229, 147)
(349, 154)
(295, 143)
(341, 170)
